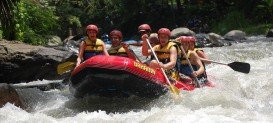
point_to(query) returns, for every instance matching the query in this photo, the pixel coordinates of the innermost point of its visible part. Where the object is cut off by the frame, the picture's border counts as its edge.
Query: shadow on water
(110, 105)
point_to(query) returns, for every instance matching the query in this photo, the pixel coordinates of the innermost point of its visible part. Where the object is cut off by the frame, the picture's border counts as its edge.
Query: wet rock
(54, 41)
(21, 62)
(9, 94)
(181, 31)
(214, 37)
(235, 35)
(202, 40)
(269, 33)
(217, 40)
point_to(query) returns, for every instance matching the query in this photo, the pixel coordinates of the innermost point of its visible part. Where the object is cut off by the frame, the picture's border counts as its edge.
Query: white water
(237, 97)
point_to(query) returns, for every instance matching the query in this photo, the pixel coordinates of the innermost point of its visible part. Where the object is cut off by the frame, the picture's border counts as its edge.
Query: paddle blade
(174, 90)
(240, 66)
(64, 67)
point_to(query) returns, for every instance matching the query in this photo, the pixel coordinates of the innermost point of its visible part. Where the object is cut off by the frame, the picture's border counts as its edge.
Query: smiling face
(92, 34)
(115, 40)
(163, 39)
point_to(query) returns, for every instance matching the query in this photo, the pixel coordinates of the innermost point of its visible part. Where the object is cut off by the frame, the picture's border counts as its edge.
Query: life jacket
(92, 48)
(200, 49)
(163, 55)
(117, 51)
(186, 70)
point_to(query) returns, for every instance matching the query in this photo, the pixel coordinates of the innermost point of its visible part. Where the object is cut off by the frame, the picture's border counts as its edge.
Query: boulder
(54, 41)
(201, 39)
(181, 31)
(9, 94)
(21, 62)
(235, 35)
(269, 33)
(214, 37)
(215, 40)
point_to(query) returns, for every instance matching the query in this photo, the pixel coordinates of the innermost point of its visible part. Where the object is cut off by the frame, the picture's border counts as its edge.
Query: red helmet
(184, 39)
(92, 27)
(144, 27)
(116, 33)
(164, 31)
(192, 39)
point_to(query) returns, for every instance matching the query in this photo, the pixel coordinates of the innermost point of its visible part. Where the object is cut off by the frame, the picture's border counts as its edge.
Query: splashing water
(237, 97)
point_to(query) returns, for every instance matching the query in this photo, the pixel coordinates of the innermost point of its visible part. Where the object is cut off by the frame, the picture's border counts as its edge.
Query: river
(237, 97)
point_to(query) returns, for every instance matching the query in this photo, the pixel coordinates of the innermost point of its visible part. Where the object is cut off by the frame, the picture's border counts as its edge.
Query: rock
(214, 37)
(235, 35)
(269, 33)
(21, 62)
(201, 39)
(3, 50)
(181, 31)
(215, 40)
(9, 94)
(54, 41)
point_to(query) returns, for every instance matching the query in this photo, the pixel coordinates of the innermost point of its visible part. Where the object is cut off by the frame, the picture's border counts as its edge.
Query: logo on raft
(144, 67)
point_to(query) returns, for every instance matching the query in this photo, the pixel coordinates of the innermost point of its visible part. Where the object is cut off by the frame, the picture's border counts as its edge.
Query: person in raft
(119, 48)
(91, 45)
(200, 52)
(153, 39)
(166, 51)
(195, 61)
(142, 29)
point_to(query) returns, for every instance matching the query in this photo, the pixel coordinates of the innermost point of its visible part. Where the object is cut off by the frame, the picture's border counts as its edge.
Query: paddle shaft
(162, 70)
(202, 59)
(197, 83)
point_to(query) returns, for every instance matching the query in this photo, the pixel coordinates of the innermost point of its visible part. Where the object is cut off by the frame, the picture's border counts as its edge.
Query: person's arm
(196, 61)
(80, 55)
(203, 56)
(128, 52)
(104, 50)
(173, 58)
(145, 48)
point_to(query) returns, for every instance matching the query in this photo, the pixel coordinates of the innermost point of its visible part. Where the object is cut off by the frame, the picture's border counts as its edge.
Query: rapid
(237, 97)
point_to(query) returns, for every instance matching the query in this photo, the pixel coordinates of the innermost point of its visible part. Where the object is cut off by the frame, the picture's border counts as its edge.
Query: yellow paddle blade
(174, 89)
(64, 67)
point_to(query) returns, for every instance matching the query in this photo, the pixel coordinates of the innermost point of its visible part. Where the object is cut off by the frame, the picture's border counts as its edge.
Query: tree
(7, 18)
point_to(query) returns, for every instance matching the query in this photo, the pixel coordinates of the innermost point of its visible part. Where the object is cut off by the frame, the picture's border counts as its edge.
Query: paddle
(236, 66)
(64, 67)
(196, 82)
(173, 88)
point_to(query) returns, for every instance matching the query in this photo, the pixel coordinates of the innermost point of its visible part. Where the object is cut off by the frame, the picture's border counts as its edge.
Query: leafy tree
(7, 18)
(266, 9)
(34, 21)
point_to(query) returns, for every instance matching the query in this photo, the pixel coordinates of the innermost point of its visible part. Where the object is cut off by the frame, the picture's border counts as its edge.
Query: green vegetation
(237, 21)
(31, 20)
(1, 33)
(34, 21)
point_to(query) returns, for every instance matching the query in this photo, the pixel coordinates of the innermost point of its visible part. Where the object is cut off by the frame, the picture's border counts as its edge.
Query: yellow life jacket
(163, 53)
(92, 48)
(184, 60)
(118, 51)
(198, 49)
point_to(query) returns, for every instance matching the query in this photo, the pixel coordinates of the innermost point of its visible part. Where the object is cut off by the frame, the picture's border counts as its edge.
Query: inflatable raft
(113, 76)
